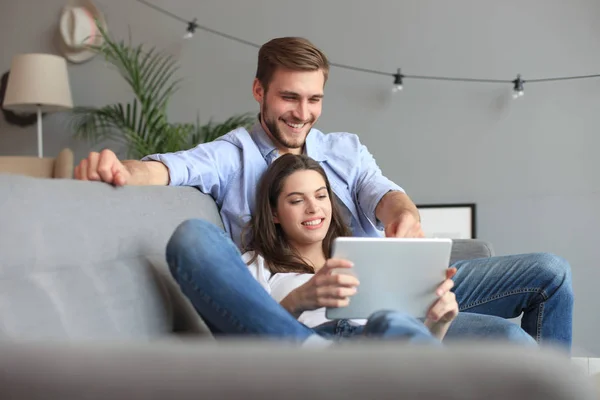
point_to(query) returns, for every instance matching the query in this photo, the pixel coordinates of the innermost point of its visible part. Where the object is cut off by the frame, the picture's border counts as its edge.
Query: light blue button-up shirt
(230, 167)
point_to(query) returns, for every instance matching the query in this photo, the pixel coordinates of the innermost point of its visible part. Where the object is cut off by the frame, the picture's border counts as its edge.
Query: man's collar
(263, 141)
(266, 147)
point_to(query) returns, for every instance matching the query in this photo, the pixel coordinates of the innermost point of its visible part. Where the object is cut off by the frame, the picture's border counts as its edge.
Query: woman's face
(304, 208)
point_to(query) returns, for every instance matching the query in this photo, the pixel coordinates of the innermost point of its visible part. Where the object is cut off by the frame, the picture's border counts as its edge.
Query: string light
(398, 81)
(518, 83)
(191, 29)
(518, 90)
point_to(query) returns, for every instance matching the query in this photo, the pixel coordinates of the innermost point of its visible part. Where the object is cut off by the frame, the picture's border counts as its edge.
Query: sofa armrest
(468, 249)
(63, 165)
(259, 370)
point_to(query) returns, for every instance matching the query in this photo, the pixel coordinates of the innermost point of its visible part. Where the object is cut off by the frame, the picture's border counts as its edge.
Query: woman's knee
(191, 239)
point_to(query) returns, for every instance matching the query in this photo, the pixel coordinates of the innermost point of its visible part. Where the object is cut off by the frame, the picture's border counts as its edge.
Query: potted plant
(141, 125)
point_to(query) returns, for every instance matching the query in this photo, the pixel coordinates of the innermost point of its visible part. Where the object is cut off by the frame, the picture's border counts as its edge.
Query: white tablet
(395, 274)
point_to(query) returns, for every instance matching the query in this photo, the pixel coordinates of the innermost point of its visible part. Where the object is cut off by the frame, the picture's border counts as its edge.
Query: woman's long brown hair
(266, 238)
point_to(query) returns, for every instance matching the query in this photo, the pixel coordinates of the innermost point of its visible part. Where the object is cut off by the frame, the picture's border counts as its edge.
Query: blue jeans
(536, 285)
(208, 267)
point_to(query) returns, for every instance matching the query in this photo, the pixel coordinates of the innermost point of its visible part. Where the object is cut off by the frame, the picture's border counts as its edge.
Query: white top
(281, 284)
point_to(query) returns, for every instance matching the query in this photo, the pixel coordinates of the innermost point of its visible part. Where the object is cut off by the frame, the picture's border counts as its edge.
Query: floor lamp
(38, 83)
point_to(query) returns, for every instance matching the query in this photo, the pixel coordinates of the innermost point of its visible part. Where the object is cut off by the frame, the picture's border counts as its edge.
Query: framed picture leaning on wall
(454, 221)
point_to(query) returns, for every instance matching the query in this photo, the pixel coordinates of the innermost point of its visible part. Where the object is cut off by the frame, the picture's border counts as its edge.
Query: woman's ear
(275, 218)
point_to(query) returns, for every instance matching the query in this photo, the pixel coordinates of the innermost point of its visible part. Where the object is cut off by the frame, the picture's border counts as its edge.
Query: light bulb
(518, 90)
(397, 81)
(191, 28)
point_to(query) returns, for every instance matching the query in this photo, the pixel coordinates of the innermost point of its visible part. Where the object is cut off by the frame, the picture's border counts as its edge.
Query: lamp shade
(38, 80)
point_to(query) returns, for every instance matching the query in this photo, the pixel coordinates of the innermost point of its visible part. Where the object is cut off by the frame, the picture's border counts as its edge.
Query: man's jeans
(536, 285)
(208, 267)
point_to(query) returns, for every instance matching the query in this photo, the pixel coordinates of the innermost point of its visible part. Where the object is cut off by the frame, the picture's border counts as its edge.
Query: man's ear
(258, 91)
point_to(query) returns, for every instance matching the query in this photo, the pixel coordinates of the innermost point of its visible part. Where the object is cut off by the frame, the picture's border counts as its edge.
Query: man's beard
(276, 132)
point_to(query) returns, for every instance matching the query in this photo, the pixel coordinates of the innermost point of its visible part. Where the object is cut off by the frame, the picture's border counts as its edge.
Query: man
(289, 86)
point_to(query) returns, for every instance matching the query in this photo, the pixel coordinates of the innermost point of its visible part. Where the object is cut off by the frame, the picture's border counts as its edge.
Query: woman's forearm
(290, 303)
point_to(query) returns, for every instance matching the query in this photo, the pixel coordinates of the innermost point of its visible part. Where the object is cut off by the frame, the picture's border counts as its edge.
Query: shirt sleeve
(371, 185)
(207, 166)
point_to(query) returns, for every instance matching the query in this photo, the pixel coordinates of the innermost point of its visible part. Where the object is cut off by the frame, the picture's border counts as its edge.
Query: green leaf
(142, 124)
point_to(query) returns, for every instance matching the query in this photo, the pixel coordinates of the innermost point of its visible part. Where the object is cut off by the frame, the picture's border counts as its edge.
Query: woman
(290, 239)
(287, 282)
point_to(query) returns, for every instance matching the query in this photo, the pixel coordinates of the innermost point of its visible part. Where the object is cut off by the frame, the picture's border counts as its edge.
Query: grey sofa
(88, 310)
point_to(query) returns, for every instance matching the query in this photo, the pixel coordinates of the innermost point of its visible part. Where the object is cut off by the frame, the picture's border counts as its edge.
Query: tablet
(395, 274)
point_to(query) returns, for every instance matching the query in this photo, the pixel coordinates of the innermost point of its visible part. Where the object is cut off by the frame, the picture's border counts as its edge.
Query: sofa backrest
(86, 260)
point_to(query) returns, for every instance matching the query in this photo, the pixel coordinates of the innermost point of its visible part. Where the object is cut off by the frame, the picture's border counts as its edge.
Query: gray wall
(528, 164)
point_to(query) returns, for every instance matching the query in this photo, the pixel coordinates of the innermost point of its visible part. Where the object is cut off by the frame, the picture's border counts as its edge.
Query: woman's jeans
(208, 267)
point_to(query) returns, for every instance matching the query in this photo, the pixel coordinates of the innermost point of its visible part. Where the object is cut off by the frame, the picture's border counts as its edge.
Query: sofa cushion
(84, 260)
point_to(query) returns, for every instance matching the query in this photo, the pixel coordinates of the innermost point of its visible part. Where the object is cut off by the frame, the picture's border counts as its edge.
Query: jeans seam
(502, 295)
(539, 323)
(207, 300)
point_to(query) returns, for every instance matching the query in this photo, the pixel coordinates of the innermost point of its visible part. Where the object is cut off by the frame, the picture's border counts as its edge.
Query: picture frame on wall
(454, 221)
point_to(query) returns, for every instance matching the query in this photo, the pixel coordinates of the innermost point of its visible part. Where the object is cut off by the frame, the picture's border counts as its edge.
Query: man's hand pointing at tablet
(404, 225)
(399, 215)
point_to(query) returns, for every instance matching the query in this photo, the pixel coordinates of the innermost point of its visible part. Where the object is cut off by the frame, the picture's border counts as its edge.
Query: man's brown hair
(292, 53)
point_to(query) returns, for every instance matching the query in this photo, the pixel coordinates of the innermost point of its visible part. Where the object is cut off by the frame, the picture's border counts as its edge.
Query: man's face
(290, 107)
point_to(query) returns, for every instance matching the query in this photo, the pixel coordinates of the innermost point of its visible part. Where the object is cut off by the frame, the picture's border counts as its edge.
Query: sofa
(88, 310)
